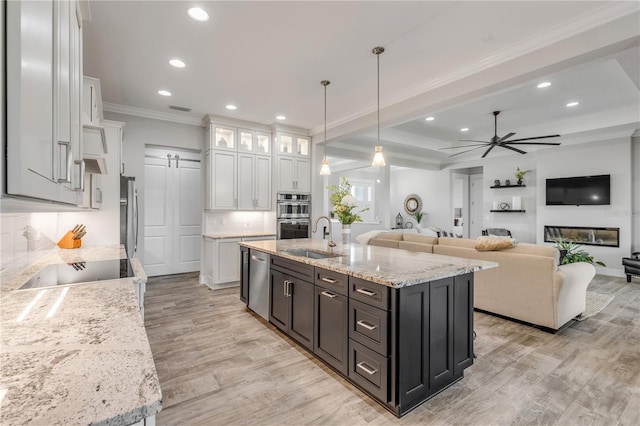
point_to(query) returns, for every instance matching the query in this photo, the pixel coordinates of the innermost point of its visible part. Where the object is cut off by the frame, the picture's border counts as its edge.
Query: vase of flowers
(343, 207)
(519, 174)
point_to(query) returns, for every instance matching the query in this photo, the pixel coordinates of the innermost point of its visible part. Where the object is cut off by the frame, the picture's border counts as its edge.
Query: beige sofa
(528, 284)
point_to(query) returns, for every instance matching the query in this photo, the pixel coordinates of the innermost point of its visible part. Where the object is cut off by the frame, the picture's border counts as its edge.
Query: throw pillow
(494, 243)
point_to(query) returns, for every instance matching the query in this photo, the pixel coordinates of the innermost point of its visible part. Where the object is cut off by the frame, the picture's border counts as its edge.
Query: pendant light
(325, 170)
(378, 158)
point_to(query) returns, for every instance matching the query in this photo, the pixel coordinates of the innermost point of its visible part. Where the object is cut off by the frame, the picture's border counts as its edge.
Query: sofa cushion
(384, 242)
(456, 242)
(413, 246)
(493, 243)
(422, 239)
(395, 236)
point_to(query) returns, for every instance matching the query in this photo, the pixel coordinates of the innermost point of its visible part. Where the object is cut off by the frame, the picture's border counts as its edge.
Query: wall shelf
(507, 211)
(507, 186)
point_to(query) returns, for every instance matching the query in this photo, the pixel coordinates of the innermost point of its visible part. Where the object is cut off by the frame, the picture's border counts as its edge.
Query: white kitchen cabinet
(92, 114)
(44, 60)
(291, 144)
(293, 174)
(221, 180)
(254, 182)
(92, 195)
(222, 137)
(254, 142)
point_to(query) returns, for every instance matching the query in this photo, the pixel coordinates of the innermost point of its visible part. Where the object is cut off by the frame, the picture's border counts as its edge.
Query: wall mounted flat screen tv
(579, 191)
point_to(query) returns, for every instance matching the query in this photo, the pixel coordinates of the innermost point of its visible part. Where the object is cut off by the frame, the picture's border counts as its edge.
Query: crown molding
(234, 122)
(147, 113)
(597, 18)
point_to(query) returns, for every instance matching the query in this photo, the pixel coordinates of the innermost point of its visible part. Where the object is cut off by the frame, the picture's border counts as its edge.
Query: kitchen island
(397, 324)
(76, 354)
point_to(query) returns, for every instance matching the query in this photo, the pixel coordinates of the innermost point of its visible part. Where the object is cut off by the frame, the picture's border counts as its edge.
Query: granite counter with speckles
(76, 354)
(388, 266)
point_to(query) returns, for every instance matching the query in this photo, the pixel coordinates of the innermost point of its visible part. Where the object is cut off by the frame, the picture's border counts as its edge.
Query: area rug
(595, 303)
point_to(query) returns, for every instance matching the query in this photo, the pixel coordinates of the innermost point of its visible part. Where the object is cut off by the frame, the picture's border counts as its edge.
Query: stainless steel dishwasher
(259, 283)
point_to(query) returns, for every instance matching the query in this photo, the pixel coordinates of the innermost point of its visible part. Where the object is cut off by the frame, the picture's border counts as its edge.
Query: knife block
(68, 242)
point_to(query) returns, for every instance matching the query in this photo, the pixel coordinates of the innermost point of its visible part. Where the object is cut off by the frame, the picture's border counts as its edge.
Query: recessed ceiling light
(464, 129)
(164, 92)
(572, 104)
(198, 14)
(280, 117)
(544, 84)
(231, 107)
(177, 63)
(430, 118)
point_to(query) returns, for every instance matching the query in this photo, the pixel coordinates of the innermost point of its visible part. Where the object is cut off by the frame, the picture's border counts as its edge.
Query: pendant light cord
(324, 148)
(378, 55)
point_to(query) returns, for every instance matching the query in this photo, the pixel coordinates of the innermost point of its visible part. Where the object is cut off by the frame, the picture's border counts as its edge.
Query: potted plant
(519, 174)
(343, 207)
(571, 252)
(418, 215)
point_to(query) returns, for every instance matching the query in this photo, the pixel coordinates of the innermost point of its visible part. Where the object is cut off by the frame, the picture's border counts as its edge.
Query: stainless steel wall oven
(293, 216)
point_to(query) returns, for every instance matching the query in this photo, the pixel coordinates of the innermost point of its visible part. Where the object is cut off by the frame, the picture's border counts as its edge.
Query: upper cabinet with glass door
(290, 144)
(254, 142)
(223, 137)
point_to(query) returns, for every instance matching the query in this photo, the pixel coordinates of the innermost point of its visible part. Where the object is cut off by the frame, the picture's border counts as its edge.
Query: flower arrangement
(343, 202)
(519, 174)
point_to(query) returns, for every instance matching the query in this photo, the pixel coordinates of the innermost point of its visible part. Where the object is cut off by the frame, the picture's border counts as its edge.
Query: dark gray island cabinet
(400, 345)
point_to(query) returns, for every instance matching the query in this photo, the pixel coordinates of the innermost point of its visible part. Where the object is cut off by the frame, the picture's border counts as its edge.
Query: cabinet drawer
(332, 281)
(370, 293)
(369, 326)
(369, 370)
(296, 269)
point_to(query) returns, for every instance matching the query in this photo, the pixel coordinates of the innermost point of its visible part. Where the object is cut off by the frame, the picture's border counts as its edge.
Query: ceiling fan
(501, 142)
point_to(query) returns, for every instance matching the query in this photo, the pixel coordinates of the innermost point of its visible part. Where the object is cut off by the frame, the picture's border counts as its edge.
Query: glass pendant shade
(378, 158)
(324, 169)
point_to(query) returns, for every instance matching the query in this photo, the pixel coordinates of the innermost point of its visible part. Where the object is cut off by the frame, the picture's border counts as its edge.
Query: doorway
(475, 205)
(173, 210)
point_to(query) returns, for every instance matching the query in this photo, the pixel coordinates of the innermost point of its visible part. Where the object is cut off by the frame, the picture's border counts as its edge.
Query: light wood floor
(219, 364)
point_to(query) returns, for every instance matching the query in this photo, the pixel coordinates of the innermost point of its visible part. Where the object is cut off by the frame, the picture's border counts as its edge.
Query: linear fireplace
(592, 236)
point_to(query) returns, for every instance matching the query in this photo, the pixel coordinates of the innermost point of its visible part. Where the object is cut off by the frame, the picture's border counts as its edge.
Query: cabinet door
(223, 180)
(285, 144)
(279, 301)
(208, 180)
(462, 323)
(263, 183)
(244, 275)
(31, 148)
(285, 173)
(441, 333)
(223, 138)
(247, 142)
(208, 254)
(263, 144)
(301, 318)
(303, 175)
(227, 260)
(246, 180)
(302, 146)
(331, 328)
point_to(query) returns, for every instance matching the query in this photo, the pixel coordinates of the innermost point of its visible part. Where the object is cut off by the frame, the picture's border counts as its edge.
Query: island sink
(312, 254)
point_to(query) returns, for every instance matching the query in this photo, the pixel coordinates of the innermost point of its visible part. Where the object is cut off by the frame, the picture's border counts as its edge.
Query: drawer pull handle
(328, 280)
(366, 325)
(326, 293)
(366, 292)
(364, 367)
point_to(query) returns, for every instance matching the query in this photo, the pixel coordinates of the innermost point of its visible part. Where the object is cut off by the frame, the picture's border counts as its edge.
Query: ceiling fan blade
(535, 137)
(513, 149)
(505, 137)
(462, 152)
(533, 143)
(464, 146)
(473, 140)
(488, 151)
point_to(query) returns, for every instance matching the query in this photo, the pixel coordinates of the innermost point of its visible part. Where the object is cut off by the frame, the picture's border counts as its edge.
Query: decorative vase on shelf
(507, 182)
(346, 233)
(519, 181)
(419, 228)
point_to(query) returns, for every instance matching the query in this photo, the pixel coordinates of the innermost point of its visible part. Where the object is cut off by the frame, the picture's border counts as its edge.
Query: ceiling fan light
(324, 169)
(378, 158)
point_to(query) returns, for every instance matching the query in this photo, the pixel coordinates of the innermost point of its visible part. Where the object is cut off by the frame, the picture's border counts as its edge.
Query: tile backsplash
(225, 222)
(24, 239)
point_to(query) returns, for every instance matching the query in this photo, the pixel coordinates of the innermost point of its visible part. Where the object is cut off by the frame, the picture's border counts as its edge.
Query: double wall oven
(294, 213)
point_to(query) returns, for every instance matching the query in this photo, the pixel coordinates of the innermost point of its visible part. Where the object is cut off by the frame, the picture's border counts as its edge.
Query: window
(365, 193)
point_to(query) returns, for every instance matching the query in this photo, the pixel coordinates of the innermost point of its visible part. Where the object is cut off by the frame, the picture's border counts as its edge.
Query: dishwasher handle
(258, 259)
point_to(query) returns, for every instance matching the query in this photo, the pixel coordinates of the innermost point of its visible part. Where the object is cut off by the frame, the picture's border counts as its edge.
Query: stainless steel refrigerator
(129, 214)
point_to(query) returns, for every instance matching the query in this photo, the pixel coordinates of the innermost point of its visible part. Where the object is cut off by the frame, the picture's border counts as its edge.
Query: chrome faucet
(315, 228)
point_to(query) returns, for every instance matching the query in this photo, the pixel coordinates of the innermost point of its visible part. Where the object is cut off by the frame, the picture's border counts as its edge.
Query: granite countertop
(388, 266)
(76, 354)
(222, 235)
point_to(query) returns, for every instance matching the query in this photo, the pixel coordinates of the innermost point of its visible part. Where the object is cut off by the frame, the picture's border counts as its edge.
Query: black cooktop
(80, 272)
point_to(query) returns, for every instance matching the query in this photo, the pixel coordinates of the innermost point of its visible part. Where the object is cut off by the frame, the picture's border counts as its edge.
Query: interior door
(173, 208)
(475, 206)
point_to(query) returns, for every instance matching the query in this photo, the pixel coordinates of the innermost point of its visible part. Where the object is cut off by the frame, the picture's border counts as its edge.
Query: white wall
(434, 187)
(635, 194)
(140, 131)
(611, 157)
